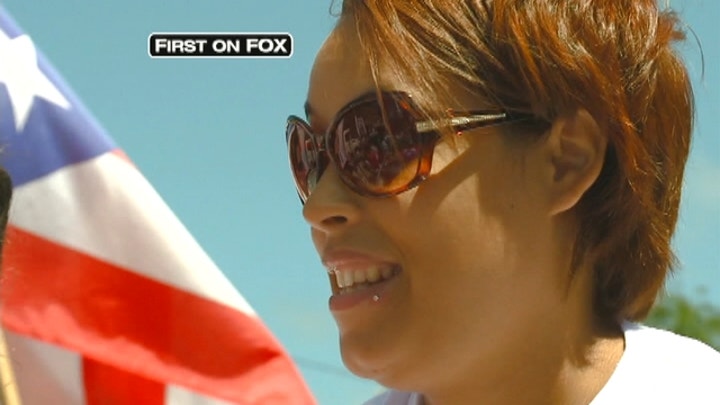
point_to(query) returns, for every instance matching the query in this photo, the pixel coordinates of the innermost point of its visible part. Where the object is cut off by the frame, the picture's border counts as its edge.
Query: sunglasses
(380, 146)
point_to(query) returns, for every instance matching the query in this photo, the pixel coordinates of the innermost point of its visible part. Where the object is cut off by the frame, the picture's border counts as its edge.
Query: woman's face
(471, 249)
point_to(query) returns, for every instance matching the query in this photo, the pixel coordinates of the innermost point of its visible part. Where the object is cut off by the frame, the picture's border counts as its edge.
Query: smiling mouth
(347, 281)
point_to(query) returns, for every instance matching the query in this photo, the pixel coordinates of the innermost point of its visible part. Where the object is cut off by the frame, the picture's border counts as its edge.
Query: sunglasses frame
(427, 132)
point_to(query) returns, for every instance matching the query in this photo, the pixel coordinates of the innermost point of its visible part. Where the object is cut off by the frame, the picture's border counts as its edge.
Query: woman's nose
(331, 203)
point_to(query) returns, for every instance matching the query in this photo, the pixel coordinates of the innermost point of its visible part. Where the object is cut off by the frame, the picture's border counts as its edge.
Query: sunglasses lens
(379, 155)
(304, 158)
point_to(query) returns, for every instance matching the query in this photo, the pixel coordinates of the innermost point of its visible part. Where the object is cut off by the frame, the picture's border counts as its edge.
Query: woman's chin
(365, 362)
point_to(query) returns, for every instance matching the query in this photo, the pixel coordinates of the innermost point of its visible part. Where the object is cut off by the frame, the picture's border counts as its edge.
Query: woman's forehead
(340, 74)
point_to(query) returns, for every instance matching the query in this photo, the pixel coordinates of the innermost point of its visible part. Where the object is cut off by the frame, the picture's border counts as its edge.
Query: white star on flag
(23, 79)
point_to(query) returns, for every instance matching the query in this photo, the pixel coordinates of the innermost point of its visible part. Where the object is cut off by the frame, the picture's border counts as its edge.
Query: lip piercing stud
(376, 298)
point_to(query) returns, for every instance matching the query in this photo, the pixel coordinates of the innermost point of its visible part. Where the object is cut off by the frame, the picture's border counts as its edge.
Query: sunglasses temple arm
(463, 123)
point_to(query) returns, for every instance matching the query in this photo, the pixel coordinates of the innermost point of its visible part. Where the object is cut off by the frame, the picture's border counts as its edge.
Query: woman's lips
(356, 278)
(375, 293)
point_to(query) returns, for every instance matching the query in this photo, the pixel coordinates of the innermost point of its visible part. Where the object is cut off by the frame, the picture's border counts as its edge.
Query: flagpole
(8, 385)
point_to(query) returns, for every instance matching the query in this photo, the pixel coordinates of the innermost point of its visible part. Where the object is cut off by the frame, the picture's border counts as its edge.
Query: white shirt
(657, 368)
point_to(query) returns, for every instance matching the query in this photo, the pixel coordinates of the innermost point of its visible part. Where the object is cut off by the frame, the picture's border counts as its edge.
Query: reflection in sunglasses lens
(304, 157)
(372, 156)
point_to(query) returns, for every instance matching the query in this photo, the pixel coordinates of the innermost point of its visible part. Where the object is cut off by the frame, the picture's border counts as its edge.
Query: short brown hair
(613, 58)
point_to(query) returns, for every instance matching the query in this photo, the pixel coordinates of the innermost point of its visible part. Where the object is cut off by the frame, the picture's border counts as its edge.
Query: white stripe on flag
(175, 395)
(106, 208)
(46, 374)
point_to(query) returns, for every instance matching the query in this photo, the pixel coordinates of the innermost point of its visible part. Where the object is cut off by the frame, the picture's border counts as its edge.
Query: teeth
(349, 278)
(358, 276)
(373, 274)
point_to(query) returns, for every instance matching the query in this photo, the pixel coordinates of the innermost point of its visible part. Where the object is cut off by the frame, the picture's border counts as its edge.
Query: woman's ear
(576, 149)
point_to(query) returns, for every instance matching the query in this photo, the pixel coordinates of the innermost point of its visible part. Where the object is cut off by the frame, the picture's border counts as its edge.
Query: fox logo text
(220, 45)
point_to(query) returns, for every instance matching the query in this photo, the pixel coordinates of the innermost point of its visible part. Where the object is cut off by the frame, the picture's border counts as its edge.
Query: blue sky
(209, 135)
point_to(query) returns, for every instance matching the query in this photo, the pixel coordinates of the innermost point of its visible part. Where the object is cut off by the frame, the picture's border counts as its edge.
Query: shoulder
(660, 366)
(393, 397)
(657, 346)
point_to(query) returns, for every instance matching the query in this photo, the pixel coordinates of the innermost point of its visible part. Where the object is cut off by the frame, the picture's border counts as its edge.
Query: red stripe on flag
(117, 317)
(106, 385)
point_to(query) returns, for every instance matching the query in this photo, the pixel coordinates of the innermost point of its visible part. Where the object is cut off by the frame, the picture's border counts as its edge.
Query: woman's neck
(563, 358)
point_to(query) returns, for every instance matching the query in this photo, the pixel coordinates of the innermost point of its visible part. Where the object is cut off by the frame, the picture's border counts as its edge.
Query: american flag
(105, 297)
